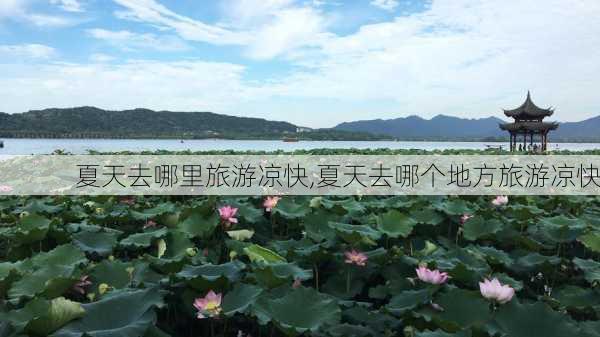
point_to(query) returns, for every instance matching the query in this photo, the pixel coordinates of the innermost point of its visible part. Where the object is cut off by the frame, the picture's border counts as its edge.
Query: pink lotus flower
(431, 276)
(209, 305)
(356, 257)
(82, 284)
(150, 224)
(464, 218)
(297, 283)
(227, 214)
(494, 290)
(5, 189)
(500, 200)
(128, 200)
(270, 203)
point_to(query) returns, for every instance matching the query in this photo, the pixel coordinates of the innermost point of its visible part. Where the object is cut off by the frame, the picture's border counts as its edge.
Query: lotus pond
(311, 266)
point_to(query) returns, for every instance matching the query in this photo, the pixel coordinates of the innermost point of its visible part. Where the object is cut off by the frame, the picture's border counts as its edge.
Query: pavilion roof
(529, 126)
(528, 110)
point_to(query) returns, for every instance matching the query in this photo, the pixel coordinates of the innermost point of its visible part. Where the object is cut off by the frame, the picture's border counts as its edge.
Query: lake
(80, 146)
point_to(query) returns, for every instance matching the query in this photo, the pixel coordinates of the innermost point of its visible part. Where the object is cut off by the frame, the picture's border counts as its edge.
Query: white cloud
(130, 41)
(100, 58)
(189, 85)
(462, 57)
(11, 8)
(388, 5)
(43, 20)
(288, 33)
(19, 11)
(35, 51)
(267, 28)
(68, 5)
(152, 12)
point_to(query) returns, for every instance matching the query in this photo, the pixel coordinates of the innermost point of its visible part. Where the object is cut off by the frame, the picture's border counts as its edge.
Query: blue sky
(312, 62)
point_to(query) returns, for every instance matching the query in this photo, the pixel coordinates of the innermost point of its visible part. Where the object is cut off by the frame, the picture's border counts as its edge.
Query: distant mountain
(91, 122)
(586, 130)
(443, 127)
(440, 127)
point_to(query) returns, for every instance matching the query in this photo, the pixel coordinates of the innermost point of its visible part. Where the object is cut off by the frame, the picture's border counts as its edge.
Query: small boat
(290, 139)
(181, 141)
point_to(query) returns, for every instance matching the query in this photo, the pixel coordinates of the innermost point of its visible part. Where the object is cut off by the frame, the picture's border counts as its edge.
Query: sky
(314, 63)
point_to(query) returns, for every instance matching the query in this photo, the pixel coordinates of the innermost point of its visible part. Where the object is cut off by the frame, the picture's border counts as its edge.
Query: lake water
(80, 146)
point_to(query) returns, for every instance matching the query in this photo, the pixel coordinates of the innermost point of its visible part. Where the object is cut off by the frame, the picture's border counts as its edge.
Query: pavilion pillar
(531, 138)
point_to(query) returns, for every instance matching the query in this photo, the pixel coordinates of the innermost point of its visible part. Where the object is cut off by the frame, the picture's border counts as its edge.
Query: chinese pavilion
(529, 123)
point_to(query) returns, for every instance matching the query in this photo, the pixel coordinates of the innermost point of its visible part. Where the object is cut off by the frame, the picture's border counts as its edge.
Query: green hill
(91, 122)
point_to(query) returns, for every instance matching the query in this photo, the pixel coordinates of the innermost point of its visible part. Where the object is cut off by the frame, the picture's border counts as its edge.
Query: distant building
(528, 123)
(303, 129)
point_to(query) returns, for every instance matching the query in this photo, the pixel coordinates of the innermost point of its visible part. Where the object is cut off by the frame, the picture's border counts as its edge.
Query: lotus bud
(23, 214)
(103, 288)
(192, 251)
(315, 202)
(232, 255)
(99, 210)
(91, 296)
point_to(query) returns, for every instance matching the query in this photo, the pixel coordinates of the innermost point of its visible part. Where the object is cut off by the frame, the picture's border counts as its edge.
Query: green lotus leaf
(289, 209)
(534, 261)
(576, 297)
(493, 255)
(536, 319)
(355, 233)
(113, 273)
(212, 276)
(395, 224)
(591, 241)
(316, 225)
(40, 206)
(240, 298)
(101, 243)
(50, 273)
(199, 223)
(455, 207)
(478, 227)
(274, 274)
(261, 254)
(173, 258)
(121, 313)
(303, 310)
(441, 333)
(249, 212)
(241, 235)
(144, 275)
(348, 205)
(462, 309)
(590, 328)
(143, 240)
(590, 268)
(40, 317)
(51, 281)
(427, 216)
(463, 264)
(408, 300)
(163, 208)
(153, 331)
(30, 228)
(350, 330)
(560, 229)
(505, 279)
(8, 273)
(65, 255)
